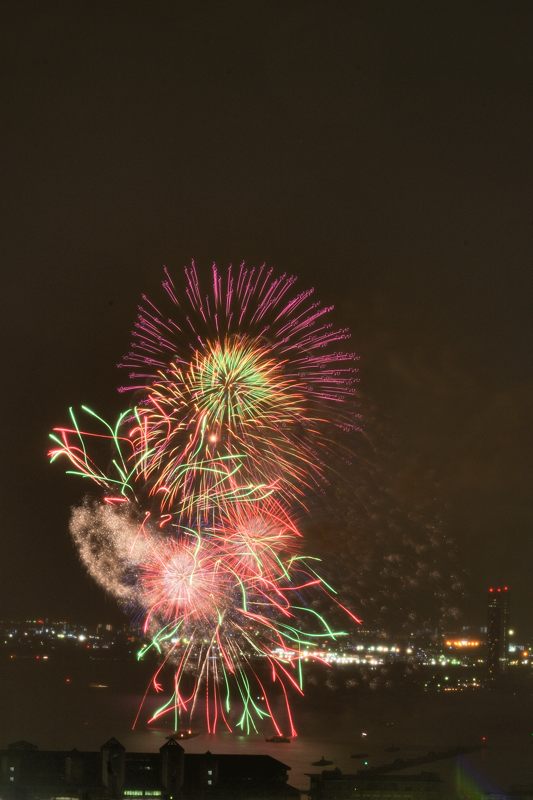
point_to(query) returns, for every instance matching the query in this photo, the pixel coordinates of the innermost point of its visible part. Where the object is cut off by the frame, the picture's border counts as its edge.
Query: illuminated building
(497, 630)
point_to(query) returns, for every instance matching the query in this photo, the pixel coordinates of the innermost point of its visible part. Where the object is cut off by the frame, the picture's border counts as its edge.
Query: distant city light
(460, 644)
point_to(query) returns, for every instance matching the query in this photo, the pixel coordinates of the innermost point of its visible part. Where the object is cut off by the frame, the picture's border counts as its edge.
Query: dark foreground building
(27, 773)
(335, 785)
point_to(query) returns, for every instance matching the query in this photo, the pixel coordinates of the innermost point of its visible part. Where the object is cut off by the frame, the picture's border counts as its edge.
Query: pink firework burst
(183, 580)
(257, 539)
(241, 379)
(251, 301)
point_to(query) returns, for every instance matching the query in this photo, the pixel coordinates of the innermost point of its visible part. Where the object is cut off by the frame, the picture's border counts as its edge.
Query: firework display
(236, 390)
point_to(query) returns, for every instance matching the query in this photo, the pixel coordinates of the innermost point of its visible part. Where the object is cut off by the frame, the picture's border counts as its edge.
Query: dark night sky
(381, 150)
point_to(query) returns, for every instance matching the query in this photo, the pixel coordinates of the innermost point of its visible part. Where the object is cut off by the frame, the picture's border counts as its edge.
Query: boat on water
(183, 733)
(278, 739)
(322, 763)
(186, 733)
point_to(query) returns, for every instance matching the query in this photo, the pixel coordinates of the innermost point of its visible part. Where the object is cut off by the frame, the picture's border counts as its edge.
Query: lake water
(56, 706)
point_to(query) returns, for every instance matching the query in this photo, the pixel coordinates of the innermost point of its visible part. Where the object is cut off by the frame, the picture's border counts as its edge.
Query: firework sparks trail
(235, 391)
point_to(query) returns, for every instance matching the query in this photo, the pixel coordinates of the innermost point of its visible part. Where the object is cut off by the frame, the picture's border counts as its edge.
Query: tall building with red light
(497, 629)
